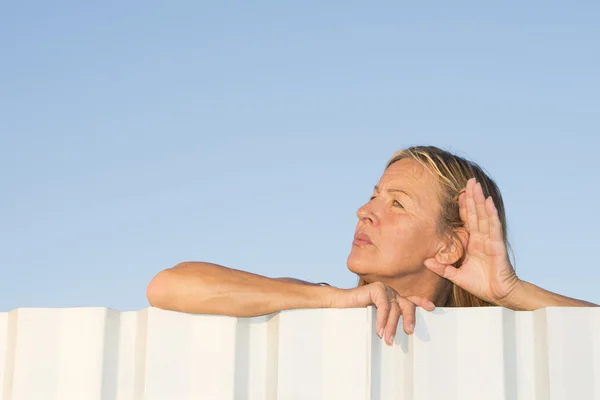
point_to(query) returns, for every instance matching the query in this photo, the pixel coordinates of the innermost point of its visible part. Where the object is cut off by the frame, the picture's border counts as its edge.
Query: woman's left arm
(486, 271)
(527, 296)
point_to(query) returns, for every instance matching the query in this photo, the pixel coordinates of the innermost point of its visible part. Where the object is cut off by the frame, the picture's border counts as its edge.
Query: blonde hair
(453, 172)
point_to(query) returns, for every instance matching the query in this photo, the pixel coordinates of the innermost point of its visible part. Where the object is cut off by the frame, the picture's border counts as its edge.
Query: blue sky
(135, 135)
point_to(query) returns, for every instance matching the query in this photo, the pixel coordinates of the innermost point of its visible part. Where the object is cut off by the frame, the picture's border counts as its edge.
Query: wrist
(516, 297)
(330, 297)
(316, 296)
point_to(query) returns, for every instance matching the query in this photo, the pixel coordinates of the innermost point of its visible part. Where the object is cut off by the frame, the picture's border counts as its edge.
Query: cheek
(409, 242)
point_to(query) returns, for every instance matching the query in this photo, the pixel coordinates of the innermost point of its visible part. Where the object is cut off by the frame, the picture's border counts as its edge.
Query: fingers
(462, 208)
(392, 322)
(389, 312)
(422, 302)
(407, 307)
(473, 208)
(409, 310)
(482, 216)
(472, 220)
(495, 224)
(445, 271)
(380, 299)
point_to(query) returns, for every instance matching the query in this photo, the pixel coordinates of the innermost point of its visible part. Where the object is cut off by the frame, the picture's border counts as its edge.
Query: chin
(359, 265)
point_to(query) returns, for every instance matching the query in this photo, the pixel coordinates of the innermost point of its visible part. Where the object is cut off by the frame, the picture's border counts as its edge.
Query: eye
(397, 204)
(372, 197)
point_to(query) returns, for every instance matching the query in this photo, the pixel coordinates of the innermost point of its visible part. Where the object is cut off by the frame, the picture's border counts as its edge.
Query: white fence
(476, 353)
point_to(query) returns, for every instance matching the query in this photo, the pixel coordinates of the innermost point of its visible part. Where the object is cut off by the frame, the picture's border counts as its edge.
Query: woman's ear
(453, 248)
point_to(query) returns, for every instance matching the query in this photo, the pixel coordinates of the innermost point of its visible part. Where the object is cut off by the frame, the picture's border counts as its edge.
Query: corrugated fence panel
(130, 374)
(471, 353)
(7, 348)
(190, 357)
(59, 354)
(323, 354)
(572, 341)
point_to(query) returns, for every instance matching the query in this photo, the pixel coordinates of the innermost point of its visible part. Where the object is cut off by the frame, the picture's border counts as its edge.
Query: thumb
(444, 270)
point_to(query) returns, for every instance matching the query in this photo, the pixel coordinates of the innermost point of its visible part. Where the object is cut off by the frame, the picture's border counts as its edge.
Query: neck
(431, 287)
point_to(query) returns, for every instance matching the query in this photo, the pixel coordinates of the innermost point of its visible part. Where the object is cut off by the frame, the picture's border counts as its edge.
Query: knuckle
(408, 306)
(379, 286)
(379, 292)
(382, 304)
(404, 301)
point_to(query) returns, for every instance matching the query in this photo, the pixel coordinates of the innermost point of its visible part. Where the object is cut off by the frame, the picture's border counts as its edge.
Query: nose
(366, 214)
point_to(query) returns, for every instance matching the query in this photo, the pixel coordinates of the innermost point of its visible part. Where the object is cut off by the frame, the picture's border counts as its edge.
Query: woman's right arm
(205, 288)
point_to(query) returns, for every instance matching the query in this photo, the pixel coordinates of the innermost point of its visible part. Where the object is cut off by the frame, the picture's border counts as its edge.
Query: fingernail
(391, 340)
(380, 333)
(411, 328)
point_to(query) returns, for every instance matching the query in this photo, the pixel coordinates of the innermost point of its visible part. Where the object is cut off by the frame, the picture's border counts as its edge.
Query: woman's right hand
(390, 306)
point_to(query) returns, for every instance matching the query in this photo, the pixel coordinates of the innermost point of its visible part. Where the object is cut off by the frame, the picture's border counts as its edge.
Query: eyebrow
(394, 190)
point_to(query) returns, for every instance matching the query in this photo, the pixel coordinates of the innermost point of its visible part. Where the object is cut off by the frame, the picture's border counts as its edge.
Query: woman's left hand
(486, 271)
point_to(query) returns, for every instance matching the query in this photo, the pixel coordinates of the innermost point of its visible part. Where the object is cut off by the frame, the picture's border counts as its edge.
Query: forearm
(528, 297)
(204, 288)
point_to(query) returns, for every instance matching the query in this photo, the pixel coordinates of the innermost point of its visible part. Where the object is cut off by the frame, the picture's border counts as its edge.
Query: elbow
(161, 289)
(167, 289)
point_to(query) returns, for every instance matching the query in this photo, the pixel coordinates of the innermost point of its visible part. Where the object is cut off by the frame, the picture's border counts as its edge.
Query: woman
(432, 234)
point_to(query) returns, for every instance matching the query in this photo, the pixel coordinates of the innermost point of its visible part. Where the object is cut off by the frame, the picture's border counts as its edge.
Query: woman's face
(398, 228)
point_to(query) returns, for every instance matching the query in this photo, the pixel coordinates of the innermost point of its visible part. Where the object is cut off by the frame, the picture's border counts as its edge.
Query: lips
(361, 239)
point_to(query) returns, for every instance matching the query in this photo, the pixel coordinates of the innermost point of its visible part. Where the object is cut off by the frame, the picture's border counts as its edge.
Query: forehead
(409, 175)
